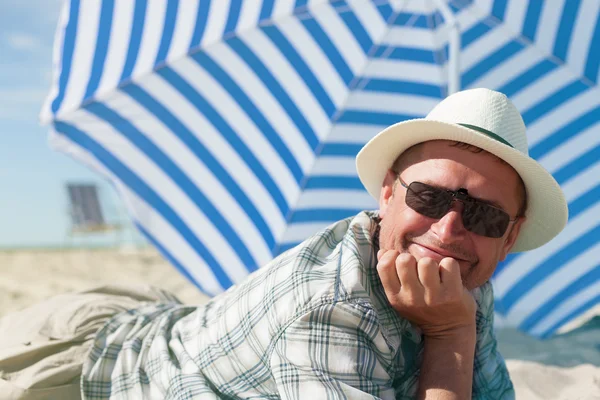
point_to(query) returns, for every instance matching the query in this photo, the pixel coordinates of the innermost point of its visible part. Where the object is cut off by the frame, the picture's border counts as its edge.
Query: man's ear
(512, 237)
(387, 191)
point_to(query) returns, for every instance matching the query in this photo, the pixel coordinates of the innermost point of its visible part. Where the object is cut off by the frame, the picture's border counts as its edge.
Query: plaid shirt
(314, 323)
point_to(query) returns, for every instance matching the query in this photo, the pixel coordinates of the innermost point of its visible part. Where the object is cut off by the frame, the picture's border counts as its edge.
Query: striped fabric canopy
(230, 128)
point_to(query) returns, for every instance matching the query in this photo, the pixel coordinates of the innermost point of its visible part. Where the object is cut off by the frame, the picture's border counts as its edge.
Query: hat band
(487, 133)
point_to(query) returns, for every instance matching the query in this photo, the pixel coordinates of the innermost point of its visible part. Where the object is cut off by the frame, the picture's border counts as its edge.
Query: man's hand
(428, 294)
(432, 296)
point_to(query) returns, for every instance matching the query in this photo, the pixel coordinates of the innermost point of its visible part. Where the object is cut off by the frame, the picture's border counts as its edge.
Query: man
(387, 304)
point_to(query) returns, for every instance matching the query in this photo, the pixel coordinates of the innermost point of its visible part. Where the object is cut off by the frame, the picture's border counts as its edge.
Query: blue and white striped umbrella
(230, 128)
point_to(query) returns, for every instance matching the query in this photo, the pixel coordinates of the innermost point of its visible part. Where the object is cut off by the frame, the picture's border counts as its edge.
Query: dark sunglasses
(477, 217)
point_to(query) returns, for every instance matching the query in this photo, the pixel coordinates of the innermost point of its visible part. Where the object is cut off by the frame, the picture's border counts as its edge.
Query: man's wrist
(464, 334)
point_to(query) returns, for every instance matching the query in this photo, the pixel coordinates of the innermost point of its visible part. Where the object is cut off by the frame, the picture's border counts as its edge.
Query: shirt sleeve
(490, 375)
(334, 351)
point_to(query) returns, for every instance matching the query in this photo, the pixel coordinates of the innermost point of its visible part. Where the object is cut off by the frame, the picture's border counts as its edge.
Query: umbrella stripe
(302, 68)
(499, 9)
(106, 15)
(510, 49)
(234, 15)
(223, 127)
(412, 54)
(576, 166)
(404, 87)
(336, 164)
(266, 9)
(565, 29)
(316, 59)
(474, 33)
(477, 30)
(371, 117)
(134, 39)
(172, 170)
(201, 22)
(340, 149)
(580, 145)
(389, 103)
(333, 182)
(162, 133)
(323, 214)
(551, 102)
(67, 54)
(522, 264)
(285, 247)
(262, 98)
(275, 88)
(584, 281)
(329, 198)
(560, 116)
(356, 28)
(592, 65)
(174, 195)
(144, 191)
(111, 71)
(323, 40)
(587, 200)
(571, 129)
(300, 4)
(145, 100)
(384, 10)
(292, 84)
(346, 41)
(547, 294)
(575, 313)
(299, 231)
(412, 20)
(248, 105)
(353, 133)
(587, 177)
(532, 19)
(528, 77)
(546, 268)
(167, 35)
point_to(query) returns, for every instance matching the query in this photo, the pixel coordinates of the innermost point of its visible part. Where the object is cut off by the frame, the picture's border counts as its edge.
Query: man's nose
(450, 228)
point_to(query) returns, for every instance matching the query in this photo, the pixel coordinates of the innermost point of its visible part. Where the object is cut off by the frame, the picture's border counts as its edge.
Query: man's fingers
(429, 273)
(387, 272)
(450, 272)
(406, 267)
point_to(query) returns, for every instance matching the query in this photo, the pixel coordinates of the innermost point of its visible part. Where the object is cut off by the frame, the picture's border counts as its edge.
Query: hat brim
(547, 210)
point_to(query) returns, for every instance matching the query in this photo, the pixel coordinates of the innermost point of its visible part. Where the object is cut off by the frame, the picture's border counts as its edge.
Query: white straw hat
(488, 120)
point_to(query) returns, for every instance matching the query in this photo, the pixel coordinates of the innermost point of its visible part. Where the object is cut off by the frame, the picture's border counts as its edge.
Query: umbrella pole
(454, 47)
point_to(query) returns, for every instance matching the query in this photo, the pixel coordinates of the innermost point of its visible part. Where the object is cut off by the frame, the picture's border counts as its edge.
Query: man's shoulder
(331, 265)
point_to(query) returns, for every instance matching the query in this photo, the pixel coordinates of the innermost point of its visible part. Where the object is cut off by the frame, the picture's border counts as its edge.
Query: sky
(34, 208)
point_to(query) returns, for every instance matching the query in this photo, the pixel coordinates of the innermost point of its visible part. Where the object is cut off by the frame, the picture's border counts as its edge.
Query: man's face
(441, 165)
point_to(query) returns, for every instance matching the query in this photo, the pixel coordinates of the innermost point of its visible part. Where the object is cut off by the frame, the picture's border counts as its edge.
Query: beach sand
(564, 367)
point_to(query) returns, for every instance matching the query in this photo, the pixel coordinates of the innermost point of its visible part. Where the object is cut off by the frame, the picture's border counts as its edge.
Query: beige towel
(42, 347)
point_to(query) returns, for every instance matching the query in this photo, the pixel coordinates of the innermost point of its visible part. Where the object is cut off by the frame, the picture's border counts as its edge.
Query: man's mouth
(435, 253)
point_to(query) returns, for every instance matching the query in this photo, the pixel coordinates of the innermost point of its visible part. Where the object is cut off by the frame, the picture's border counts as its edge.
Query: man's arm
(447, 368)
(432, 296)
(333, 351)
(490, 375)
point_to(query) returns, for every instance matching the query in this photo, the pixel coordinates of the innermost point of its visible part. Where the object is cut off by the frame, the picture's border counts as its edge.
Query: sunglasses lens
(428, 200)
(479, 218)
(485, 220)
